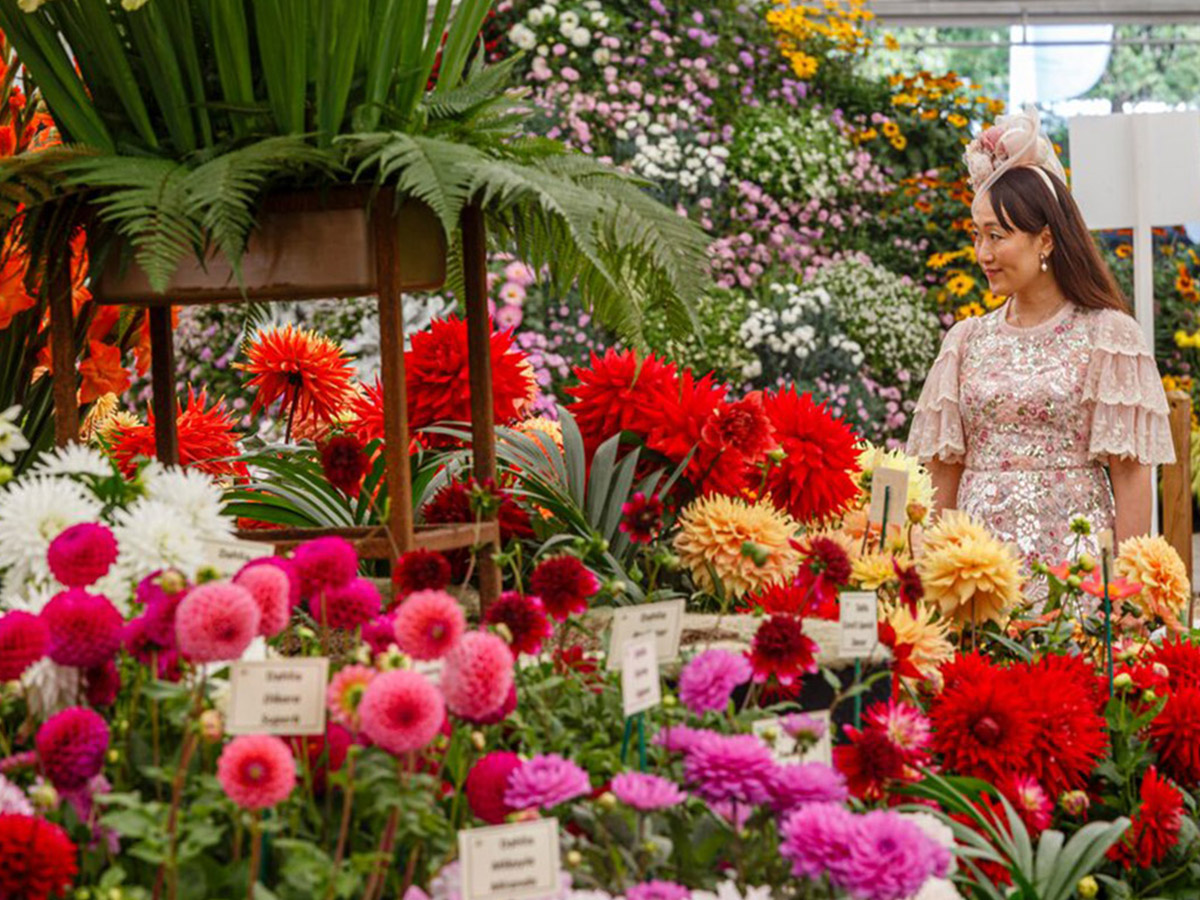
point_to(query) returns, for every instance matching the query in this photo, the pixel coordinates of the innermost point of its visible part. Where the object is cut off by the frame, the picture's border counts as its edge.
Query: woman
(1050, 407)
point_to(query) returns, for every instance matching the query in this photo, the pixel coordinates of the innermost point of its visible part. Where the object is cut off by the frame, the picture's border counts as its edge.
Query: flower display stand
(345, 241)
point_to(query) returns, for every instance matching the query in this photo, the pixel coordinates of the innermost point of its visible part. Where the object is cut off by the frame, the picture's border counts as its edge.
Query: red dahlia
(912, 591)
(525, 618)
(1175, 736)
(344, 463)
(782, 650)
(984, 726)
(307, 372)
(618, 392)
(1182, 660)
(564, 585)
(24, 639)
(641, 518)
(206, 439)
(741, 427)
(815, 479)
(453, 503)
(1154, 829)
(366, 408)
(39, 858)
(421, 570)
(824, 571)
(674, 429)
(870, 762)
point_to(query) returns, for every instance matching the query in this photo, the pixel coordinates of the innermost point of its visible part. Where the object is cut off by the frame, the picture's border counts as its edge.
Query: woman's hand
(1131, 490)
(946, 477)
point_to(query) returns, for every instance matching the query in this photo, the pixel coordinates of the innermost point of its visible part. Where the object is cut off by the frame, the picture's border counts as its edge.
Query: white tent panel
(998, 13)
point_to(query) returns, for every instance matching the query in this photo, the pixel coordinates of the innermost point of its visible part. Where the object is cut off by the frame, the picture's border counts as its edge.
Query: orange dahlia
(206, 438)
(307, 371)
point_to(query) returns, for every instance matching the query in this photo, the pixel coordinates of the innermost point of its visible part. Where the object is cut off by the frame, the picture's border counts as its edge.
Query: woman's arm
(946, 477)
(1131, 489)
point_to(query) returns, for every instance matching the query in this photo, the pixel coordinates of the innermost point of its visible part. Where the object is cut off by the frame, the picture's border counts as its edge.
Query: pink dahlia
(216, 622)
(564, 585)
(708, 680)
(271, 589)
(816, 836)
(159, 595)
(82, 554)
(478, 675)
(345, 694)
(421, 570)
(85, 629)
(735, 767)
(428, 624)
(71, 747)
(657, 890)
(401, 711)
(324, 562)
(487, 783)
(647, 792)
(799, 783)
(500, 713)
(678, 738)
(287, 566)
(525, 618)
(257, 771)
(545, 781)
(379, 633)
(24, 639)
(347, 605)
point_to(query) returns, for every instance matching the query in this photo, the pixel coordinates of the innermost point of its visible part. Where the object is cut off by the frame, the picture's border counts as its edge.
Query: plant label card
(640, 687)
(228, 555)
(860, 624)
(430, 668)
(663, 621)
(278, 696)
(1106, 541)
(510, 862)
(784, 747)
(890, 485)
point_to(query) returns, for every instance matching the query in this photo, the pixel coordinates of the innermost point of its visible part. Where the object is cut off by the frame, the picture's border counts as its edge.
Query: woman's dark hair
(1022, 201)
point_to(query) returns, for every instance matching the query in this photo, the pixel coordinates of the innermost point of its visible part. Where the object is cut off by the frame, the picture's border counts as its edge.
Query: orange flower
(1124, 251)
(102, 372)
(206, 439)
(307, 371)
(14, 298)
(1118, 588)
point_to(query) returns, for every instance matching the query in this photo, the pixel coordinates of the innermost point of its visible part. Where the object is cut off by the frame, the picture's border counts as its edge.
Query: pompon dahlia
(82, 554)
(324, 562)
(347, 606)
(1175, 736)
(647, 792)
(1156, 566)
(257, 771)
(816, 836)
(207, 439)
(420, 570)
(71, 747)
(617, 392)
(709, 679)
(747, 545)
(815, 479)
(437, 376)
(307, 371)
(1182, 661)
(288, 567)
(641, 518)
(345, 463)
(454, 503)
(428, 624)
(487, 783)
(795, 784)
(271, 589)
(216, 622)
(525, 618)
(971, 578)
(401, 711)
(545, 781)
(345, 693)
(736, 767)
(478, 675)
(1067, 698)
(1155, 826)
(85, 629)
(39, 858)
(24, 639)
(984, 726)
(564, 584)
(657, 889)
(379, 633)
(781, 650)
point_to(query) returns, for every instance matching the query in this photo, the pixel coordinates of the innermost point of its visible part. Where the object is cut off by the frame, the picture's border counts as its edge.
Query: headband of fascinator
(1015, 140)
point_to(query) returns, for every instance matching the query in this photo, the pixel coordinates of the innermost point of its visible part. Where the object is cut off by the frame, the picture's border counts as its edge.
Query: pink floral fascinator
(1015, 140)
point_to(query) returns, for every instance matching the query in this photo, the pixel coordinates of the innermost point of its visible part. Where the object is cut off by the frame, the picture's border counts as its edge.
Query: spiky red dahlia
(1182, 660)
(618, 392)
(307, 372)
(1175, 736)
(824, 571)
(741, 427)
(1155, 826)
(870, 761)
(366, 412)
(782, 651)
(815, 479)
(207, 440)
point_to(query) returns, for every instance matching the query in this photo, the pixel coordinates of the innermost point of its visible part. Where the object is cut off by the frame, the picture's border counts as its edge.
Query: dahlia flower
(972, 578)
(324, 562)
(890, 858)
(525, 618)
(1156, 566)
(709, 678)
(401, 711)
(1071, 736)
(216, 622)
(647, 792)
(71, 747)
(487, 783)
(564, 585)
(816, 836)
(641, 518)
(1155, 826)
(347, 605)
(1175, 733)
(795, 784)
(82, 554)
(307, 371)
(616, 392)
(24, 639)
(678, 738)
(428, 624)
(716, 532)
(545, 781)
(256, 771)
(345, 694)
(13, 799)
(420, 570)
(926, 635)
(729, 767)
(271, 589)
(206, 438)
(33, 511)
(85, 629)
(39, 858)
(781, 650)
(478, 675)
(344, 463)
(1030, 800)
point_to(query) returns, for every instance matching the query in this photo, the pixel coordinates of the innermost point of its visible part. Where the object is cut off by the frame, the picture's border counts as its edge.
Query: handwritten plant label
(663, 621)
(1106, 541)
(890, 485)
(430, 668)
(640, 688)
(860, 624)
(510, 862)
(784, 747)
(228, 555)
(279, 696)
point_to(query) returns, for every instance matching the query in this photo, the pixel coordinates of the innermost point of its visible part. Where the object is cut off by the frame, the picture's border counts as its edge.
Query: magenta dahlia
(82, 554)
(564, 585)
(85, 629)
(347, 605)
(487, 783)
(24, 639)
(71, 747)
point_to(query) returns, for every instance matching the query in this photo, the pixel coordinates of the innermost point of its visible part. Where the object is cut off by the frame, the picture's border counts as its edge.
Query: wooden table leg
(162, 379)
(62, 355)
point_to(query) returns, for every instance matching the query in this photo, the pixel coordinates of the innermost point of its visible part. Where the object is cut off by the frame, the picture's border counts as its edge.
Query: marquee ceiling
(998, 13)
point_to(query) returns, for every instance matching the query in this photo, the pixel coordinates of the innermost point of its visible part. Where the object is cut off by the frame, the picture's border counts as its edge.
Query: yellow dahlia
(747, 545)
(971, 575)
(920, 483)
(115, 424)
(925, 633)
(872, 571)
(102, 410)
(1155, 565)
(544, 425)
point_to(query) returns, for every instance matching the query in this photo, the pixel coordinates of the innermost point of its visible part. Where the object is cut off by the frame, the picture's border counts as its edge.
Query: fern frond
(482, 87)
(31, 179)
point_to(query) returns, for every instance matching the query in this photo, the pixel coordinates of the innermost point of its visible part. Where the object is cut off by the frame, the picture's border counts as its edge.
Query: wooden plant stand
(343, 242)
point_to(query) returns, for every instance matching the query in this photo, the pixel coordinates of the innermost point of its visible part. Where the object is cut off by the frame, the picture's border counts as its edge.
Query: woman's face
(1011, 260)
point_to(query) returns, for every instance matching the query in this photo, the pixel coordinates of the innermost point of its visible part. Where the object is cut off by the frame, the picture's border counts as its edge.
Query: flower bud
(776, 454)
(607, 801)
(1074, 803)
(574, 859)
(1074, 581)
(1087, 562)
(114, 756)
(615, 587)
(212, 728)
(6, 475)
(504, 631)
(1149, 696)
(669, 701)
(44, 796)
(478, 741)
(1087, 887)
(916, 512)
(1160, 670)
(172, 581)
(1122, 682)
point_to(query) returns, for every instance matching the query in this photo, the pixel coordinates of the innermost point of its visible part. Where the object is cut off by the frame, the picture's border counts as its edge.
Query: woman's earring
(1045, 265)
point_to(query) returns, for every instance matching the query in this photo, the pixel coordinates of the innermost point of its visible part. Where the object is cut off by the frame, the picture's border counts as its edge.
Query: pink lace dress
(1034, 413)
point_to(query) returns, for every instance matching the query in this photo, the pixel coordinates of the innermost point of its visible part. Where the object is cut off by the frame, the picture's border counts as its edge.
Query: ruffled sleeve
(1131, 416)
(937, 429)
